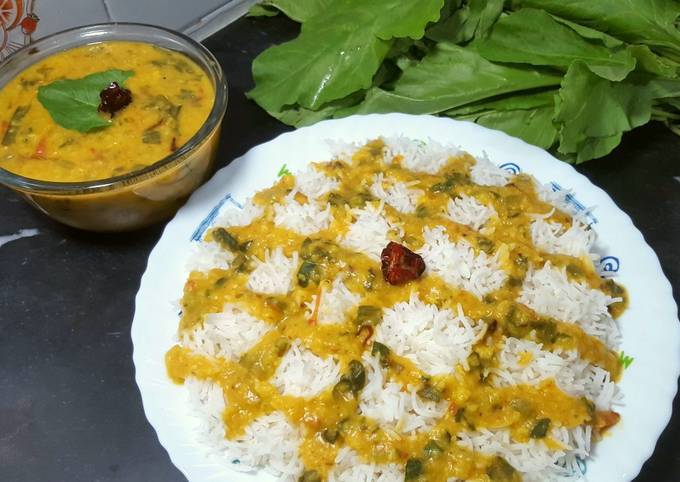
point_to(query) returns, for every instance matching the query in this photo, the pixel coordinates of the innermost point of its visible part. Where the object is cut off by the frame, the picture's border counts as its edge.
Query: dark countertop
(69, 406)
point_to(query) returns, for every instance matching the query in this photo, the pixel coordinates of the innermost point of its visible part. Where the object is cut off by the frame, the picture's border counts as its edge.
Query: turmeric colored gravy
(473, 402)
(171, 99)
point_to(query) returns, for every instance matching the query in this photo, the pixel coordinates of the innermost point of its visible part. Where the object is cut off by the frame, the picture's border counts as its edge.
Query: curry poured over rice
(497, 363)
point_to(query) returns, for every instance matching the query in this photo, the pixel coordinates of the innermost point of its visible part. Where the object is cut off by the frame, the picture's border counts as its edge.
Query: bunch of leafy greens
(74, 103)
(567, 75)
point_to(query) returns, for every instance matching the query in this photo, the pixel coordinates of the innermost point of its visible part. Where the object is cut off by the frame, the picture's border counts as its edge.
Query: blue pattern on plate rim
(208, 220)
(610, 264)
(511, 167)
(578, 206)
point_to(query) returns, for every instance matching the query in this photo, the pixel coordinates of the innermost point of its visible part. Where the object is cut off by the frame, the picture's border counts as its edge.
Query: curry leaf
(534, 37)
(73, 103)
(451, 76)
(593, 112)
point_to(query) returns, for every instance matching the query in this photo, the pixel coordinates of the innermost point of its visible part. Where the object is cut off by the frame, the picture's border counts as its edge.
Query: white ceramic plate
(650, 329)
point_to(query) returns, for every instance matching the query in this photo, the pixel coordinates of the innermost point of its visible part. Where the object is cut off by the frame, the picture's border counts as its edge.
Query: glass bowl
(141, 197)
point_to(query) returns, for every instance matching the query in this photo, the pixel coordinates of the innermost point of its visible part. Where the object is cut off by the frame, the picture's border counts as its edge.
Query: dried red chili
(400, 265)
(114, 98)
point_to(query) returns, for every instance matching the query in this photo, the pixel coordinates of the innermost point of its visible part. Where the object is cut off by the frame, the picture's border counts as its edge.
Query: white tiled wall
(198, 18)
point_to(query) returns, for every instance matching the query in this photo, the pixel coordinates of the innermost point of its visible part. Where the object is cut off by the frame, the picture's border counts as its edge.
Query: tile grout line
(107, 10)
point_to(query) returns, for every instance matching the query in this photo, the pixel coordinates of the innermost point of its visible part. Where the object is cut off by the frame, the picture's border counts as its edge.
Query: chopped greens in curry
(50, 127)
(401, 314)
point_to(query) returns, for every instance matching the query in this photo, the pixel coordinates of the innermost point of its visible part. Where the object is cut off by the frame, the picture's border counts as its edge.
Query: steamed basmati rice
(274, 275)
(419, 156)
(577, 240)
(350, 468)
(334, 305)
(313, 183)
(549, 292)
(533, 458)
(458, 264)
(435, 340)
(573, 375)
(231, 215)
(393, 406)
(305, 218)
(485, 173)
(398, 194)
(303, 374)
(227, 334)
(206, 255)
(371, 231)
(468, 211)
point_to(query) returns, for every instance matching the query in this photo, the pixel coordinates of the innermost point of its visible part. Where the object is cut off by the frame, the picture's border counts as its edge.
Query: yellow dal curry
(171, 99)
(330, 421)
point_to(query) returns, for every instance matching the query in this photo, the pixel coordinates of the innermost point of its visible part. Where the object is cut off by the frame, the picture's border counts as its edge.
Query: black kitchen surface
(69, 406)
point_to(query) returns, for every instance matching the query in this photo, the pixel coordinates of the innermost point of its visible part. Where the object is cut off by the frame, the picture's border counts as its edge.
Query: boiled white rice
(274, 275)
(577, 240)
(271, 442)
(371, 231)
(397, 194)
(417, 155)
(313, 183)
(393, 406)
(537, 462)
(435, 340)
(572, 374)
(227, 334)
(350, 468)
(231, 215)
(305, 219)
(205, 256)
(457, 263)
(335, 303)
(303, 374)
(468, 211)
(485, 173)
(549, 292)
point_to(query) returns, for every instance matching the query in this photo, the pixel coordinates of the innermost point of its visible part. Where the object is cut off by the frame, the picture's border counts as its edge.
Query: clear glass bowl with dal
(155, 188)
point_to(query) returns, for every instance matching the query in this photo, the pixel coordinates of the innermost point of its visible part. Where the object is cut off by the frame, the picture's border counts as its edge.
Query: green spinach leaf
(534, 37)
(73, 103)
(649, 22)
(298, 10)
(260, 10)
(356, 37)
(451, 76)
(593, 112)
(527, 116)
(474, 19)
